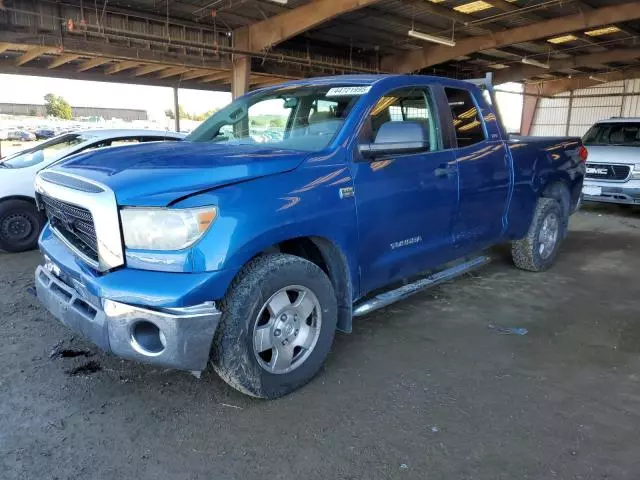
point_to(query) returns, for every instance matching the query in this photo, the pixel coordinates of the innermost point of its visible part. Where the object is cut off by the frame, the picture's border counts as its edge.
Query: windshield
(50, 150)
(291, 118)
(614, 133)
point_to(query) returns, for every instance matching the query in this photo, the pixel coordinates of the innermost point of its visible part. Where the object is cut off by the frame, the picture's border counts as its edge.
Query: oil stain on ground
(85, 369)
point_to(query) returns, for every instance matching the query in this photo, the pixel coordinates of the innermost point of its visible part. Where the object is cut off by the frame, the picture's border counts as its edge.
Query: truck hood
(155, 174)
(613, 154)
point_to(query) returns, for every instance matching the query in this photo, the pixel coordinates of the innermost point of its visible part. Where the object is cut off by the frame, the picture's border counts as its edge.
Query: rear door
(484, 172)
(405, 203)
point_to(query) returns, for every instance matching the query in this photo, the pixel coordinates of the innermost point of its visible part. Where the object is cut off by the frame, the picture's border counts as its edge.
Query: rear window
(466, 119)
(615, 133)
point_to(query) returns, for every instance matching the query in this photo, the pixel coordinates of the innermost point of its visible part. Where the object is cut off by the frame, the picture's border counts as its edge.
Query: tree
(189, 116)
(57, 106)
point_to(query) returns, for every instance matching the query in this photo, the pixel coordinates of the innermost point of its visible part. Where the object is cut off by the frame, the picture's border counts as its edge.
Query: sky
(81, 93)
(155, 100)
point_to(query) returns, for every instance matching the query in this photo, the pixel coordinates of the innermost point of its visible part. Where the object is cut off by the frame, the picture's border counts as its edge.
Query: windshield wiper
(5, 165)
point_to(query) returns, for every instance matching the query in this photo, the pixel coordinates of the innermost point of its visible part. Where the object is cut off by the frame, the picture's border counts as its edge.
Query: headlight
(165, 228)
(635, 173)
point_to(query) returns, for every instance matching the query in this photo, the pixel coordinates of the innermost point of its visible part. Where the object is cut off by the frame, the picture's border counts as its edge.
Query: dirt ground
(430, 388)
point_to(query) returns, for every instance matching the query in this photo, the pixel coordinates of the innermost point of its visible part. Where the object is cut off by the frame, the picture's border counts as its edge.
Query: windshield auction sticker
(347, 91)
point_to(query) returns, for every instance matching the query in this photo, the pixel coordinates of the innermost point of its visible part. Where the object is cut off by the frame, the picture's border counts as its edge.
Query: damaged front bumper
(171, 337)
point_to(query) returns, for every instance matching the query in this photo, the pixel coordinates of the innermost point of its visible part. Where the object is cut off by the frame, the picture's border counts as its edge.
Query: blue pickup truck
(290, 212)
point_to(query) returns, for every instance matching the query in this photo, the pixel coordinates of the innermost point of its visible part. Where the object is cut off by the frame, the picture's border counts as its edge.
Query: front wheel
(278, 322)
(20, 225)
(537, 251)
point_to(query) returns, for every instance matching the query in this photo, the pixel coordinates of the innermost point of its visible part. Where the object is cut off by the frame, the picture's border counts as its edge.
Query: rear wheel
(279, 319)
(20, 225)
(537, 251)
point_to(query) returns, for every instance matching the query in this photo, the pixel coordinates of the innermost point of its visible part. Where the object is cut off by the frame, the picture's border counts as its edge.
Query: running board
(387, 298)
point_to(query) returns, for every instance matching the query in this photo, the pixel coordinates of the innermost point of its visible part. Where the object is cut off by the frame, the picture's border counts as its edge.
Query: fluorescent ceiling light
(563, 39)
(602, 31)
(477, 6)
(473, 7)
(498, 66)
(535, 63)
(598, 79)
(281, 2)
(432, 38)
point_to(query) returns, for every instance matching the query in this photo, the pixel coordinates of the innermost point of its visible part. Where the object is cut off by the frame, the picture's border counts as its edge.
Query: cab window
(407, 105)
(466, 118)
(304, 117)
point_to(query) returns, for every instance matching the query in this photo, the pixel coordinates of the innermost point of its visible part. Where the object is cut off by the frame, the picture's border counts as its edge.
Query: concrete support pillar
(529, 107)
(241, 64)
(176, 108)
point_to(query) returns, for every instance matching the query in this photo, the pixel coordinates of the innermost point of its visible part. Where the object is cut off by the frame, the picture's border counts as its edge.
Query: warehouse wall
(568, 114)
(126, 114)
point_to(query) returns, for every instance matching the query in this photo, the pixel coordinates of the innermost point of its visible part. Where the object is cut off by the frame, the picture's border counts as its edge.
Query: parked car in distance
(613, 169)
(20, 135)
(251, 254)
(20, 222)
(44, 133)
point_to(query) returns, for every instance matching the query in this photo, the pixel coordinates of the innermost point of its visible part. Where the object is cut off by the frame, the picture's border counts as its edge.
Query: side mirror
(291, 102)
(396, 138)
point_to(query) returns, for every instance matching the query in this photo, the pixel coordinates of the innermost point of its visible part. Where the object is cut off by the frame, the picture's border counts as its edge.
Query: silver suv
(613, 166)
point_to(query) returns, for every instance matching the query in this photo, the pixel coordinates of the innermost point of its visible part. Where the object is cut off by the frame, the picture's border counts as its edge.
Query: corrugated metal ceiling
(381, 29)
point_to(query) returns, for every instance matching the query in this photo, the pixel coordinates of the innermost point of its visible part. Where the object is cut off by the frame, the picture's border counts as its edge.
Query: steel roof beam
(120, 67)
(61, 60)
(521, 72)
(146, 69)
(31, 54)
(433, 55)
(172, 72)
(195, 74)
(553, 87)
(280, 27)
(216, 77)
(92, 63)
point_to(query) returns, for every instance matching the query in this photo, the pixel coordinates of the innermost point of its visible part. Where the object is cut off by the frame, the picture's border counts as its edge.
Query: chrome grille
(607, 171)
(71, 182)
(84, 216)
(74, 223)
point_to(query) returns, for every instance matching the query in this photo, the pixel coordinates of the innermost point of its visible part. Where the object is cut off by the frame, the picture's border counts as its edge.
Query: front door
(405, 203)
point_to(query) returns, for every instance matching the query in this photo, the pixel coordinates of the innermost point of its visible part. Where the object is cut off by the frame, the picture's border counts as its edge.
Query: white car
(20, 221)
(613, 166)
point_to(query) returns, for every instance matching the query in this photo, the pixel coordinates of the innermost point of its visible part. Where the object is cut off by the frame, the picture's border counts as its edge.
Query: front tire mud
(245, 310)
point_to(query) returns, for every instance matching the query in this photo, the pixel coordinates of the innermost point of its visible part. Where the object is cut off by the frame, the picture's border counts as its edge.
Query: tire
(252, 320)
(533, 253)
(20, 225)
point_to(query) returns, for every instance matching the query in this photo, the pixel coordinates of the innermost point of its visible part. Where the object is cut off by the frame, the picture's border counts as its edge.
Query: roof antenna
(168, 30)
(453, 31)
(351, 53)
(413, 17)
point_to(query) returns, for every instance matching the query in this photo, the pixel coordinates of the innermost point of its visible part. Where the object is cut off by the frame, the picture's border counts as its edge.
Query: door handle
(445, 171)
